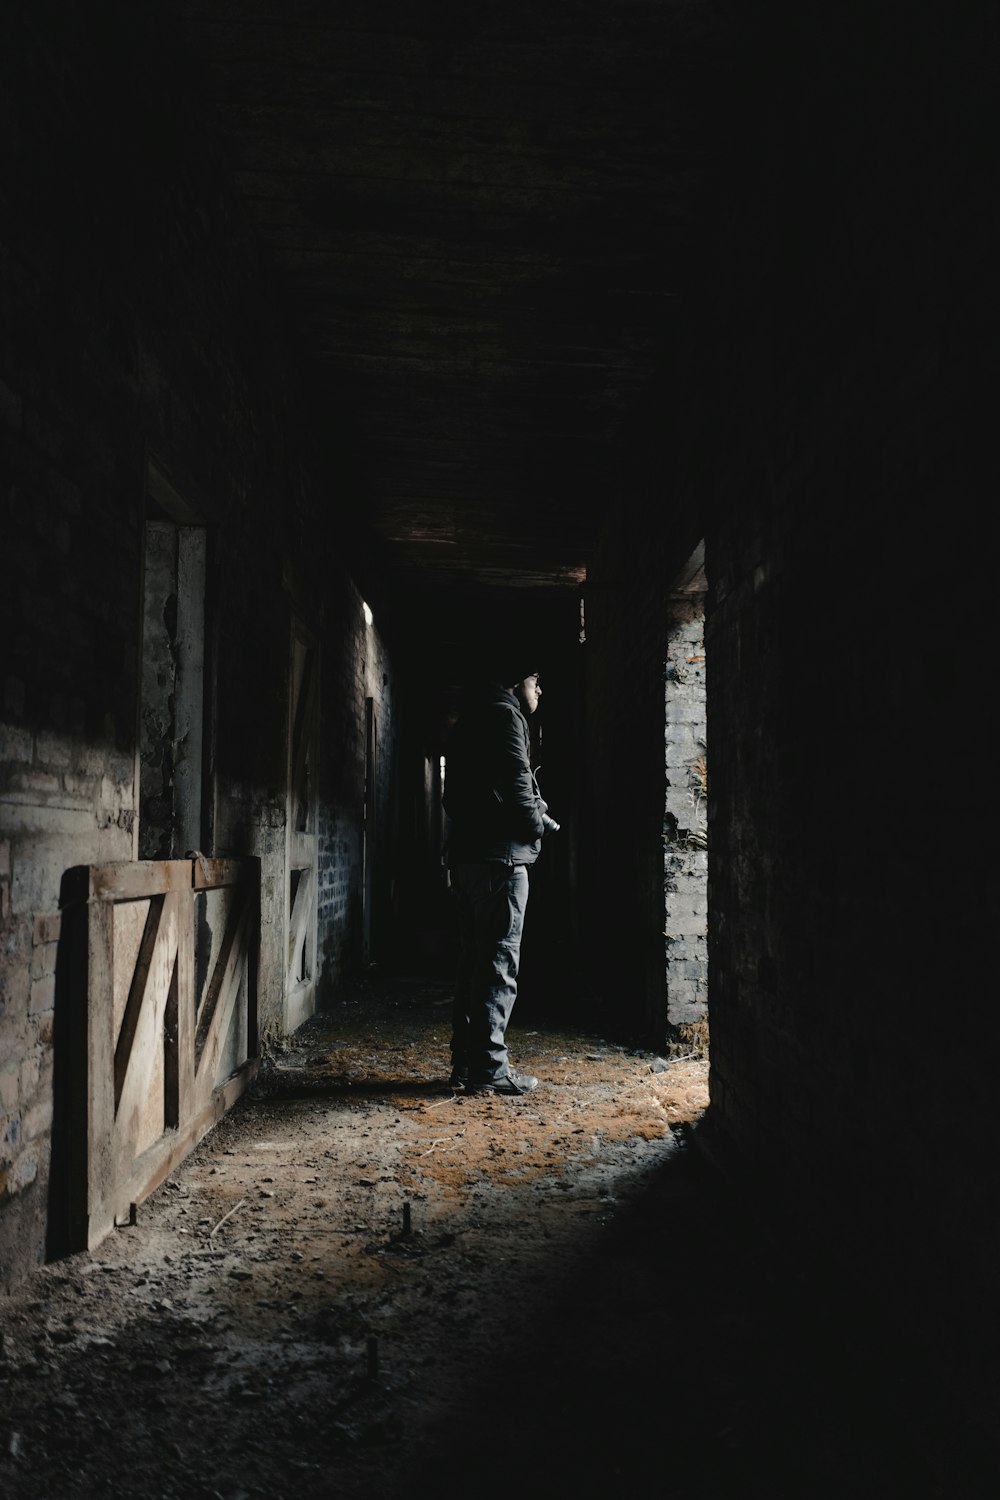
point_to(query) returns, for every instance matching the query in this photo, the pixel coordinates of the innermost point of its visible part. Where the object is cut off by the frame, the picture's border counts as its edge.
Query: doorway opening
(685, 818)
(175, 719)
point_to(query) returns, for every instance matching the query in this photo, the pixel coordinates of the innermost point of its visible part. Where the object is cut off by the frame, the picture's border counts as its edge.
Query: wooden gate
(171, 1018)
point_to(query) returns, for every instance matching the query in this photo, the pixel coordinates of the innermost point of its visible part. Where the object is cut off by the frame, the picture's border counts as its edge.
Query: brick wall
(685, 853)
(136, 324)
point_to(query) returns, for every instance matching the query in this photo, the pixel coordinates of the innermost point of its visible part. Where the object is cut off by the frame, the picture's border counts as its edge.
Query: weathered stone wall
(685, 835)
(136, 324)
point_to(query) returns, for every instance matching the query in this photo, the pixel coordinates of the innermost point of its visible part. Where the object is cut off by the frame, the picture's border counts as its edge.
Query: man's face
(527, 694)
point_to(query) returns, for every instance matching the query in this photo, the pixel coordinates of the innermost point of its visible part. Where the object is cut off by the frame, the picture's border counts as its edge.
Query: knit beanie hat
(510, 676)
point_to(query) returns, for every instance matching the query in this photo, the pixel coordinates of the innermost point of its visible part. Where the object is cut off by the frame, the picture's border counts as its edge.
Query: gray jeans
(491, 903)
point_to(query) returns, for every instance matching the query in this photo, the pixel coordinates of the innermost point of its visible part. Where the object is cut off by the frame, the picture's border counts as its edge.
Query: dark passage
(348, 352)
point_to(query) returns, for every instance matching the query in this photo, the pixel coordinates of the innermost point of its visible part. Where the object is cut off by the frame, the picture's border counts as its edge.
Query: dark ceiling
(486, 215)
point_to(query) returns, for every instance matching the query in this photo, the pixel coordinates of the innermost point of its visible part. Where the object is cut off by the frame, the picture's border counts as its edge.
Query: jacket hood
(489, 692)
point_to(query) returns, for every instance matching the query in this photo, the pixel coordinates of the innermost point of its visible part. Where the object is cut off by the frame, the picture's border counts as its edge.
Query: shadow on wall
(67, 1185)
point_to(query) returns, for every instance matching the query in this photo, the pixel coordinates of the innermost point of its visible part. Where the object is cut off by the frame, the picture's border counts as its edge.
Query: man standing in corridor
(497, 822)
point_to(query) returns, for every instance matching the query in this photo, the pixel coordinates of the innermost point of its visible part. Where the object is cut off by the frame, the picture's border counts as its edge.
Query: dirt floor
(363, 1284)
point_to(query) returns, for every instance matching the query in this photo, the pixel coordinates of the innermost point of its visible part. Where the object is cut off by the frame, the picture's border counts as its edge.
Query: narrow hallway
(368, 370)
(362, 1284)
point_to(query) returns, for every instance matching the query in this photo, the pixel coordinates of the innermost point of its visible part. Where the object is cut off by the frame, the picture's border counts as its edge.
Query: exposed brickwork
(157, 334)
(685, 857)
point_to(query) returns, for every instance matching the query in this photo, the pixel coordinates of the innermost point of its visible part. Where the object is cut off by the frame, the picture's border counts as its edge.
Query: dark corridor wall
(850, 898)
(137, 323)
(838, 465)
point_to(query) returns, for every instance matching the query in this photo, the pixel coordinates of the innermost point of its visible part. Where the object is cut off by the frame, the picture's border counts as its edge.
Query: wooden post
(100, 1071)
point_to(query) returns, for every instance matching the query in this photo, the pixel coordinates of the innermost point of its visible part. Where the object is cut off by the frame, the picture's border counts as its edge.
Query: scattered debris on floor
(323, 1257)
(337, 1290)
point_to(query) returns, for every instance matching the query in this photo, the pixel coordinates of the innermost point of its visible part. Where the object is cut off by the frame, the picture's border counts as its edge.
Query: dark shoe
(512, 1084)
(459, 1078)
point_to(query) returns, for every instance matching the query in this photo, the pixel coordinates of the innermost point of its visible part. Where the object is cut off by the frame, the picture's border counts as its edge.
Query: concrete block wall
(137, 322)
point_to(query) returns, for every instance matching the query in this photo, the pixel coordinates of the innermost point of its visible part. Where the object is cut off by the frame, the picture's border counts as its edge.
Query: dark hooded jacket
(490, 793)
